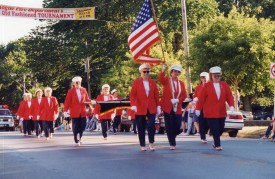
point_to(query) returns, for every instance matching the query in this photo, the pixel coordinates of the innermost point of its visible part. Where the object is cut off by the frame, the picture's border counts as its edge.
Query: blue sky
(13, 28)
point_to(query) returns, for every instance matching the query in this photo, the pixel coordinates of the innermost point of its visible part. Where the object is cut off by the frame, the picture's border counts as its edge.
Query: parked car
(6, 119)
(247, 115)
(262, 115)
(233, 123)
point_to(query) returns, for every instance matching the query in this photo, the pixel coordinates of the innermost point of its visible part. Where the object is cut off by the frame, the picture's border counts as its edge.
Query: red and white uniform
(180, 93)
(209, 102)
(107, 115)
(139, 98)
(198, 90)
(48, 108)
(76, 106)
(35, 108)
(25, 111)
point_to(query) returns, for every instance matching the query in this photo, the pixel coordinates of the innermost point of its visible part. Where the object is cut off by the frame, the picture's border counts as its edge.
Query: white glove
(113, 115)
(21, 119)
(174, 101)
(129, 117)
(66, 114)
(158, 110)
(55, 116)
(164, 67)
(134, 108)
(17, 117)
(96, 116)
(38, 117)
(195, 99)
(30, 116)
(93, 101)
(232, 109)
(198, 112)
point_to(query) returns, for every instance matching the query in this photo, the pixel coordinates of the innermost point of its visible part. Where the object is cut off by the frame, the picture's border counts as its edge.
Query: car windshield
(5, 112)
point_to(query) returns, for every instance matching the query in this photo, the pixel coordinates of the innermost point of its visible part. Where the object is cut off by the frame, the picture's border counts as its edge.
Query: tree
(241, 46)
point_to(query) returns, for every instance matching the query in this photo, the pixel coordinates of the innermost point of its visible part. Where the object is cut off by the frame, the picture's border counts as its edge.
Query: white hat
(106, 86)
(48, 89)
(176, 67)
(77, 78)
(38, 90)
(215, 69)
(204, 74)
(28, 94)
(113, 91)
(145, 65)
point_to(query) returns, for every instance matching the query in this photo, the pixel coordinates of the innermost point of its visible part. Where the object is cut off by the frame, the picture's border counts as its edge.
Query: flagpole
(155, 19)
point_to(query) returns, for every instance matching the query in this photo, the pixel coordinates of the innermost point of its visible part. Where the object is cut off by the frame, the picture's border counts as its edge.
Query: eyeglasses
(146, 71)
(203, 77)
(216, 75)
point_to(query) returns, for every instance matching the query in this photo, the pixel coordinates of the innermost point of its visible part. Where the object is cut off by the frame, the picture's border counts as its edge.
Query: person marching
(34, 111)
(105, 119)
(48, 112)
(26, 114)
(118, 112)
(203, 126)
(212, 101)
(75, 103)
(19, 112)
(174, 93)
(144, 99)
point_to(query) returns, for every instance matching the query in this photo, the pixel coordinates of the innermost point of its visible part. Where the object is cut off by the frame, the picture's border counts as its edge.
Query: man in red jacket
(34, 112)
(174, 93)
(144, 97)
(48, 112)
(75, 103)
(212, 100)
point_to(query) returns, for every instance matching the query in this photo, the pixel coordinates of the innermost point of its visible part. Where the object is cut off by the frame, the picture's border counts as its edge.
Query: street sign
(272, 70)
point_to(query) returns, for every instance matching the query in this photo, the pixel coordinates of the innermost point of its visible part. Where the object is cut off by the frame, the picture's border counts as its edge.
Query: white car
(233, 123)
(6, 119)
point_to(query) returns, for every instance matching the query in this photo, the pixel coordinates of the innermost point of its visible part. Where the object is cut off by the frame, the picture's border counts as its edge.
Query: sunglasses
(176, 71)
(77, 82)
(216, 75)
(146, 71)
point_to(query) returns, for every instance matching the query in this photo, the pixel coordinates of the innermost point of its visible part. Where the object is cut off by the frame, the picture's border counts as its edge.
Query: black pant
(27, 126)
(142, 124)
(38, 127)
(117, 121)
(47, 127)
(268, 130)
(134, 125)
(216, 126)
(172, 126)
(79, 125)
(105, 125)
(203, 126)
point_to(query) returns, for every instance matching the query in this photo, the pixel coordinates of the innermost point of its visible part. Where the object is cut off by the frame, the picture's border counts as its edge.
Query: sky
(12, 28)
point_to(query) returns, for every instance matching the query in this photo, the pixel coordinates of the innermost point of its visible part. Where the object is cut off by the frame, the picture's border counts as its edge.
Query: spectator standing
(118, 112)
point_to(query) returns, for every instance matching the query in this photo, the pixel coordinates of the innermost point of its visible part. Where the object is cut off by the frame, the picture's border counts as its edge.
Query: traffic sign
(272, 70)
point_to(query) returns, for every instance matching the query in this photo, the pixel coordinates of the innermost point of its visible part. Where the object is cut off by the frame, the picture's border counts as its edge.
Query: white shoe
(38, 136)
(185, 134)
(197, 134)
(47, 138)
(151, 147)
(105, 138)
(78, 144)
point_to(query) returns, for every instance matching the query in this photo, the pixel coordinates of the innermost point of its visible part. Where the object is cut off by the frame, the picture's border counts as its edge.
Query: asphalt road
(120, 157)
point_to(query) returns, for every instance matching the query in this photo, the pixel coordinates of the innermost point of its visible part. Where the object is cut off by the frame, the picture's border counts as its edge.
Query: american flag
(144, 34)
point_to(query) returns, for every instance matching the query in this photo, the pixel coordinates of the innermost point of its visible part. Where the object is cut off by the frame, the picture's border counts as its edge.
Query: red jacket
(106, 115)
(47, 111)
(25, 110)
(118, 111)
(77, 109)
(35, 108)
(166, 104)
(208, 100)
(139, 98)
(198, 90)
(19, 111)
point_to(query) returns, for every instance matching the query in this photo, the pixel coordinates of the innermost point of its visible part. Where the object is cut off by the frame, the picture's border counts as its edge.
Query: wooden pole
(186, 46)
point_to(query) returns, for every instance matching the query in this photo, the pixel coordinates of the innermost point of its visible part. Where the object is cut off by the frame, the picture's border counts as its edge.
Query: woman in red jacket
(144, 97)
(34, 110)
(203, 126)
(48, 112)
(25, 113)
(213, 100)
(105, 119)
(75, 103)
(174, 93)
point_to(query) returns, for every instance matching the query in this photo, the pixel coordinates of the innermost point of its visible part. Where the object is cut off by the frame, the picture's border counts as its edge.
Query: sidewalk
(254, 132)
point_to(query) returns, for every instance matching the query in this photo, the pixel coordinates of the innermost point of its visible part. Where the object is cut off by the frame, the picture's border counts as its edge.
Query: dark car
(262, 115)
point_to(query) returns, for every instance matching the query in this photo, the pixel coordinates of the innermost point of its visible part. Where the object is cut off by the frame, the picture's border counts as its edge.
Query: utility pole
(24, 84)
(88, 71)
(186, 46)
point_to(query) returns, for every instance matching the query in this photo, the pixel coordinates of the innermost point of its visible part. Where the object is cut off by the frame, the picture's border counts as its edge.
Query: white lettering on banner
(87, 13)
